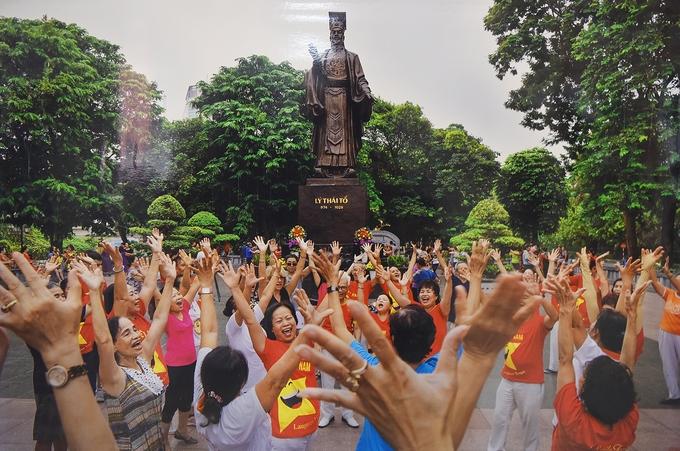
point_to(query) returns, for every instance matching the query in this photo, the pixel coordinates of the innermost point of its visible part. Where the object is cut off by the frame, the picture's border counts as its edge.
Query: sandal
(188, 441)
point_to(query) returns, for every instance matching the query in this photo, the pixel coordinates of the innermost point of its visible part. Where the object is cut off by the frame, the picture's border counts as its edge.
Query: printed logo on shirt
(291, 405)
(510, 348)
(672, 308)
(81, 340)
(197, 327)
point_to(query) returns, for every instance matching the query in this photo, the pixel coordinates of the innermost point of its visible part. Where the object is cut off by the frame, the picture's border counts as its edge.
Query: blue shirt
(370, 439)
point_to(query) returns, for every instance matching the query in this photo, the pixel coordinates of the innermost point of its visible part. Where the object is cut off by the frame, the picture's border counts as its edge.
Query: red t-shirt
(384, 325)
(577, 430)
(291, 415)
(354, 288)
(86, 331)
(440, 324)
(143, 325)
(524, 353)
(346, 315)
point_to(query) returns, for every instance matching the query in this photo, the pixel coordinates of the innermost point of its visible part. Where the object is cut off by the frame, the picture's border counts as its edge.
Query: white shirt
(239, 339)
(243, 426)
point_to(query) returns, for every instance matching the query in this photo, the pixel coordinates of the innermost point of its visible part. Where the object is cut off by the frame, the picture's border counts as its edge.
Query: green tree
(257, 148)
(165, 213)
(531, 188)
(488, 220)
(602, 77)
(421, 180)
(58, 113)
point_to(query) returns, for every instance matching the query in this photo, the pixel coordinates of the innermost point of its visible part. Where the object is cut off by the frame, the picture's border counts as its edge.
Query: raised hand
(261, 245)
(367, 248)
(495, 254)
(559, 287)
(479, 258)
(307, 310)
(601, 257)
(554, 255)
(273, 246)
(405, 279)
(249, 273)
(93, 279)
(205, 246)
(114, 253)
(335, 247)
(51, 264)
(382, 274)
(228, 275)
(376, 250)
(448, 273)
(155, 244)
(143, 265)
(361, 275)
(534, 260)
(633, 300)
(167, 267)
(303, 246)
(629, 271)
(327, 270)
(310, 247)
(84, 257)
(186, 258)
(43, 322)
(649, 258)
(437, 246)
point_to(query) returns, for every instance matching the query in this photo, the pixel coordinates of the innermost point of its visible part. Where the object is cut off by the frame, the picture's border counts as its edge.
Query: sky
(433, 53)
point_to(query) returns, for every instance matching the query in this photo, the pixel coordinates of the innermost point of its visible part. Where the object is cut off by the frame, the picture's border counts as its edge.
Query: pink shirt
(180, 349)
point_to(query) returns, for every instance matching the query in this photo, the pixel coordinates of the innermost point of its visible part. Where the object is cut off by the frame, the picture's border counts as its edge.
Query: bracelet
(116, 271)
(332, 289)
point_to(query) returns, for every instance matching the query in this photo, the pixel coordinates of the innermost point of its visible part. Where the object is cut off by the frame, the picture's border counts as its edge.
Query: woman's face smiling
(428, 298)
(283, 325)
(128, 341)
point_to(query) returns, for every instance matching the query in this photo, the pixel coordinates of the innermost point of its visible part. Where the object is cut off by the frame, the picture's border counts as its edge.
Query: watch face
(57, 376)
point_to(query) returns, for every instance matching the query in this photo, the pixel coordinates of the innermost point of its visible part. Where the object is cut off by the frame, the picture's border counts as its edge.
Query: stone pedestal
(332, 209)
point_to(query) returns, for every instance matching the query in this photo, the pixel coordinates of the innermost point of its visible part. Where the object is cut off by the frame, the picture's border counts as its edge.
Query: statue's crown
(337, 20)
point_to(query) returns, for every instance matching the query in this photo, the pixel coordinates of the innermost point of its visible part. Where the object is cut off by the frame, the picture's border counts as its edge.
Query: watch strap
(332, 289)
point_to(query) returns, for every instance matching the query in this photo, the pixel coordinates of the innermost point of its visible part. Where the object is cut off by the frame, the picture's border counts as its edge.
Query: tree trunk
(629, 220)
(670, 206)
(122, 231)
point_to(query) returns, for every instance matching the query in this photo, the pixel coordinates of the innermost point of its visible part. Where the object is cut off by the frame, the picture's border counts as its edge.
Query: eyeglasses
(291, 263)
(342, 287)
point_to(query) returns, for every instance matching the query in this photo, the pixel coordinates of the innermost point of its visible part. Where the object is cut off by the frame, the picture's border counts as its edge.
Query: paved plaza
(658, 430)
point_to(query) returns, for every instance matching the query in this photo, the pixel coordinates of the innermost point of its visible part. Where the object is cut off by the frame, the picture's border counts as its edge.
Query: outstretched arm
(205, 275)
(590, 295)
(630, 337)
(160, 316)
(496, 255)
(601, 275)
(155, 242)
(290, 286)
(477, 262)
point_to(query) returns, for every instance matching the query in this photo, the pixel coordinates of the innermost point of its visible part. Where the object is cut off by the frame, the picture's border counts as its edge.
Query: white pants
(527, 399)
(305, 443)
(669, 348)
(554, 351)
(328, 408)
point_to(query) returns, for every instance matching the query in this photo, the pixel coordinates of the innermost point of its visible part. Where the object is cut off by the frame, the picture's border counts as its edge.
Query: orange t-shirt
(524, 353)
(670, 321)
(143, 325)
(577, 430)
(291, 415)
(384, 325)
(346, 315)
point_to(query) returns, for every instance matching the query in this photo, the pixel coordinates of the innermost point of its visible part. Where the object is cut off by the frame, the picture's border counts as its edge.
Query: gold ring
(354, 384)
(356, 374)
(7, 307)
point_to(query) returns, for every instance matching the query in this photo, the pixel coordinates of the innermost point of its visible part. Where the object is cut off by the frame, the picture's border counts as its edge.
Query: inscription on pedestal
(332, 212)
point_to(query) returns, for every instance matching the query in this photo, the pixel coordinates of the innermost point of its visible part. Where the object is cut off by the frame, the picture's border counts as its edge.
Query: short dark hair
(224, 371)
(608, 392)
(610, 300)
(229, 307)
(267, 323)
(108, 299)
(421, 261)
(291, 256)
(432, 285)
(130, 258)
(612, 326)
(94, 255)
(412, 331)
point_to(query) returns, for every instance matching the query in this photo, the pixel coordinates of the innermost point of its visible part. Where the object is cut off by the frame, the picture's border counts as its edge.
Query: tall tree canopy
(422, 181)
(58, 117)
(602, 77)
(532, 190)
(257, 146)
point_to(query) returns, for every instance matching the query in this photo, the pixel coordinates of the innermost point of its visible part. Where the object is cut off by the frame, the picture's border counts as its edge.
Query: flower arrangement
(369, 267)
(362, 236)
(296, 234)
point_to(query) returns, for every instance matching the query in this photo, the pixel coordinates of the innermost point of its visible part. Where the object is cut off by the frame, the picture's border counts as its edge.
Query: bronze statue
(338, 102)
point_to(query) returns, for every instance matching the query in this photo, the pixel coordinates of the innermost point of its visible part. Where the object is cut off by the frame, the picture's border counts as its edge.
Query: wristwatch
(58, 376)
(206, 290)
(332, 289)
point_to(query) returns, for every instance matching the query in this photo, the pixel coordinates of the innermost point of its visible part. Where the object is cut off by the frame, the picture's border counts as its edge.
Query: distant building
(189, 111)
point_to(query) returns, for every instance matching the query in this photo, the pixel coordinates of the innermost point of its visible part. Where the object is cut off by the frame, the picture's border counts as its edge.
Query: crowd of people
(412, 363)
